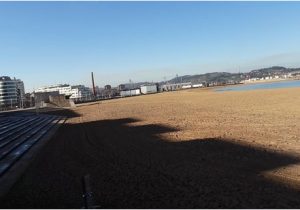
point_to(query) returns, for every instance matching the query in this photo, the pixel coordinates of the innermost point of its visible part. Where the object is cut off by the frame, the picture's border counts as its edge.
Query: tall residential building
(11, 92)
(20, 92)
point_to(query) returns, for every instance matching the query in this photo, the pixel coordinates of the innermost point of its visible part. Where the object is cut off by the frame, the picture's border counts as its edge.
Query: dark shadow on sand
(65, 112)
(131, 166)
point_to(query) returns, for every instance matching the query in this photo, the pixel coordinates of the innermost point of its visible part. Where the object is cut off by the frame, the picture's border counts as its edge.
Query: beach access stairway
(18, 134)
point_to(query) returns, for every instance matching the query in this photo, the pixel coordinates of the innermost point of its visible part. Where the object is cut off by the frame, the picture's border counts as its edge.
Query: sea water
(270, 85)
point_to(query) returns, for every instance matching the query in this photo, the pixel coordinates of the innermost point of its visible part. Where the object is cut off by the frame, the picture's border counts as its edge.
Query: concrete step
(12, 152)
(20, 128)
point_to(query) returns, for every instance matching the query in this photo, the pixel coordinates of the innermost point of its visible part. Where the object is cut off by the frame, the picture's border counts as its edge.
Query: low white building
(197, 85)
(134, 92)
(146, 89)
(186, 86)
(177, 86)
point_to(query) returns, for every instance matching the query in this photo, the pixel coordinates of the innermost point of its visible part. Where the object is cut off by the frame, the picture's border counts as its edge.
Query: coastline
(271, 80)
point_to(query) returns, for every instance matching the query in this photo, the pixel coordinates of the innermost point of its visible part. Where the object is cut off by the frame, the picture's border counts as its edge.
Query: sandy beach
(195, 148)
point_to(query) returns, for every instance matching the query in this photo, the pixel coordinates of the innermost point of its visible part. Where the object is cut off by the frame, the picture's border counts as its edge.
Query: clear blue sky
(46, 43)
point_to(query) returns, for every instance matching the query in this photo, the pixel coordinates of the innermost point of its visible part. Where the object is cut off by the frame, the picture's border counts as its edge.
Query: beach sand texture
(186, 149)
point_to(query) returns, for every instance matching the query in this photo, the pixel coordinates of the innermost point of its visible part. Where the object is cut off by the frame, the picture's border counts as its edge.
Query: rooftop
(5, 78)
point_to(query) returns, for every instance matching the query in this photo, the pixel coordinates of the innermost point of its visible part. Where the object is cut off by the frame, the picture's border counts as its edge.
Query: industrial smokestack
(94, 90)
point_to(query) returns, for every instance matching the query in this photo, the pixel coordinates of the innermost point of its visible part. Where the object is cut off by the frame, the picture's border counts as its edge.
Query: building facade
(133, 92)
(12, 92)
(107, 87)
(62, 89)
(81, 93)
(77, 92)
(146, 89)
(20, 92)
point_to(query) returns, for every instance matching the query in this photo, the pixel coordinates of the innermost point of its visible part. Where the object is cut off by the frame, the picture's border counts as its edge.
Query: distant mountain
(232, 77)
(208, 78)
(274, 70)
(221, 77)
(136, 85)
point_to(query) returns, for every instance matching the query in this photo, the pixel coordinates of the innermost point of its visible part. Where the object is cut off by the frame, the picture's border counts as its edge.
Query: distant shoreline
(287, 83)
(270, 81)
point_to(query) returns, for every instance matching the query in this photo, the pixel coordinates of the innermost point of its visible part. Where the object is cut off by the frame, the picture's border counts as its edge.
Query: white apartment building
(62, 89)
(77, 92)
(80, 92)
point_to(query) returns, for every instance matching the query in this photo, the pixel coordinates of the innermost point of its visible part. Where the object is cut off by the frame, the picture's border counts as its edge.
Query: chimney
(94, 90)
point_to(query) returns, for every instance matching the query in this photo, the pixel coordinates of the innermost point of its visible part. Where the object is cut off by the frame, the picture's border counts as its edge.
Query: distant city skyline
(48, 43)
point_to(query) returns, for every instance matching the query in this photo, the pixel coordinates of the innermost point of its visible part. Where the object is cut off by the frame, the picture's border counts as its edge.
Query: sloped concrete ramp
(21, 136)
